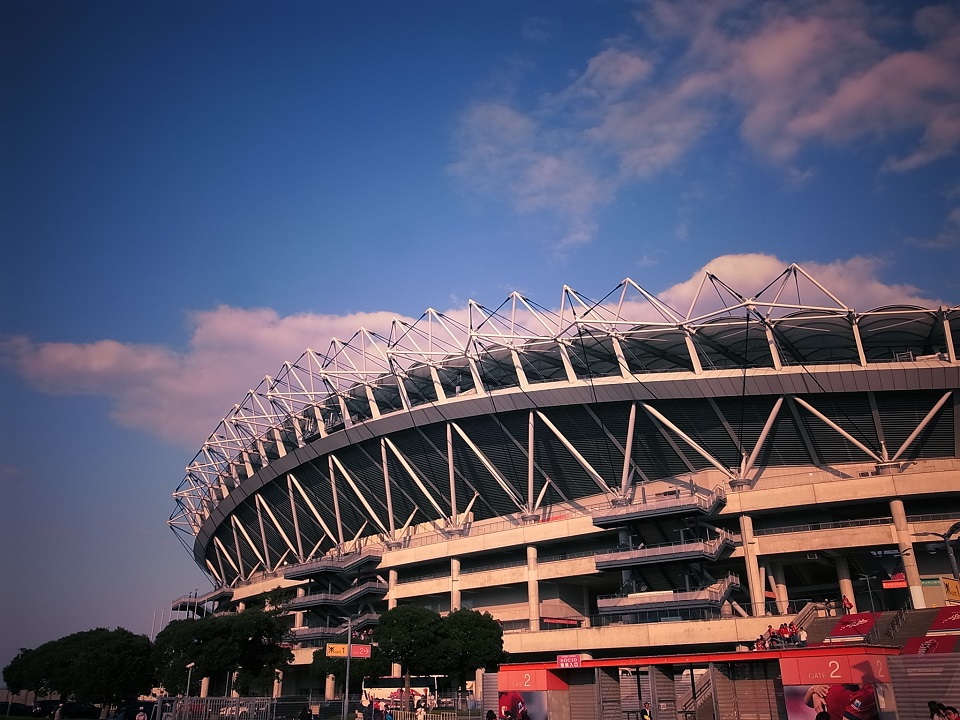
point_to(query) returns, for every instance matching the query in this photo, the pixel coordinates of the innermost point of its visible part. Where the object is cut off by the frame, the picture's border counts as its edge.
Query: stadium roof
(444, 361)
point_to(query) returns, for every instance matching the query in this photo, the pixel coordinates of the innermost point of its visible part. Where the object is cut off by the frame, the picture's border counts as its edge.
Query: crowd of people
(787, 635)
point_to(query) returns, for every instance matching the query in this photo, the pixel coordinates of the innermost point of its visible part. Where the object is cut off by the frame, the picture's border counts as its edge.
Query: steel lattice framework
(507, 410)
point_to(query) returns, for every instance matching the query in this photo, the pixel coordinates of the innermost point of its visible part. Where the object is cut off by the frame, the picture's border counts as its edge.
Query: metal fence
(227, 708)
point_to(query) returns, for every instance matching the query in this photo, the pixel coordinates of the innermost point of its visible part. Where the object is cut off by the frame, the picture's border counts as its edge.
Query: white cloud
(786, 75)
(180, 396)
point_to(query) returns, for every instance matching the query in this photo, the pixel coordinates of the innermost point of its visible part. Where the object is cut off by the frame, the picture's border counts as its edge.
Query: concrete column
(846, 584)
(278, 684)
(454, 584)
(533, 587)
(205, 687)
(586, 607)
(754, 585)
(783, 600)
(330, 688)
(905, 546)
(298, 618)
(391, 589)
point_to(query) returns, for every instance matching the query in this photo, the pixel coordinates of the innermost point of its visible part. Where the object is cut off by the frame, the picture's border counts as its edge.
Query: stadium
(613, 478)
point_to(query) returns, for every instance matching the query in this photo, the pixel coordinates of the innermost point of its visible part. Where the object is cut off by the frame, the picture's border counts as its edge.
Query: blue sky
(194, 192)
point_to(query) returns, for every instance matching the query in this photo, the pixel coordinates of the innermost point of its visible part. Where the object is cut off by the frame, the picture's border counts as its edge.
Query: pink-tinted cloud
(787, 75)
(181, 396)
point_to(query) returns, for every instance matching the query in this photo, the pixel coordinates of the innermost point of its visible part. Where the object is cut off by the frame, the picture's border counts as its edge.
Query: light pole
(873, 609)
(946, 537)
(186, 699)
(346, 682)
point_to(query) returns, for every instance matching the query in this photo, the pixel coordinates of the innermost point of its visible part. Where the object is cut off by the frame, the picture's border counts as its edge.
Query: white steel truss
(520, 346)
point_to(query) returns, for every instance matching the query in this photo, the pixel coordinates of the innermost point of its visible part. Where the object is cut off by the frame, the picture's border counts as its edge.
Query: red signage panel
(928, 645)
(856, 625)
(946, 621)
(532, 679)
(568, 661)
(829, 669)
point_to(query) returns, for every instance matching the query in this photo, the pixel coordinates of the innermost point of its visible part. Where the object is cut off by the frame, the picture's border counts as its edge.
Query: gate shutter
(583, 694)
(917, 679)
(491, 694)
(608, 680)
(749, 691)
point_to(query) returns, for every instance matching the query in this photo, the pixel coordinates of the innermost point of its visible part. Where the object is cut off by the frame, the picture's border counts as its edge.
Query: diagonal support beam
(226, 555)
(278, 526)
(836, 428)
(253, 546)
(767, 426)
(501, 481)
(687, 439)
(588, 468)
(360, 496)
(923, 424)
(313, 510)
(415, 476)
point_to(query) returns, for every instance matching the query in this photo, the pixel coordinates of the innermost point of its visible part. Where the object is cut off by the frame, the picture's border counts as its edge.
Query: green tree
(103, 666)
(473, 640)
(250, 643)
(411, 636)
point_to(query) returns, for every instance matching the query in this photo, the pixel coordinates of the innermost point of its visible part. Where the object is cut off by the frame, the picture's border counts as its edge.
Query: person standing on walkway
(645, 712)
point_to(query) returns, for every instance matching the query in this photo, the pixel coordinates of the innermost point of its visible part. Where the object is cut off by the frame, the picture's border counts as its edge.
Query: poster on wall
(845, 701)
(516, 705)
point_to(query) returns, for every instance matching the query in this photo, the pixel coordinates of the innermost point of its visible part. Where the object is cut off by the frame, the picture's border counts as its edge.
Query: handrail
(709, 546)
(341, 597)
(834, 525)
(700, 500)
(712, 593)
(807, 612)
(702, 684)
(899, 618)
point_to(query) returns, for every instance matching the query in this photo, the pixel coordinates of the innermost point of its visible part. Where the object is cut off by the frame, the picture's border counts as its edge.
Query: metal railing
(898, 619)
(713, 594)
(711, 546)
(835, 525)
(334, 598)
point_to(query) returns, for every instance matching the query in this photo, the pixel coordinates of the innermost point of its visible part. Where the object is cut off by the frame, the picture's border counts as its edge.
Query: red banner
(946, 621)
(929, 645)
(851, 626)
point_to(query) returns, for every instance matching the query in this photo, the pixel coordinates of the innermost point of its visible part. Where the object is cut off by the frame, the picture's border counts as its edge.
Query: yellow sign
(339, 650)
(951, 588)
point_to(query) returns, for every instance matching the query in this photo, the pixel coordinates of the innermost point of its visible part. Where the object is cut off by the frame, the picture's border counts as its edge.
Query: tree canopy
(248, 643)
(410, 635)
(424, 643)
(104, 666)
(473, 640)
